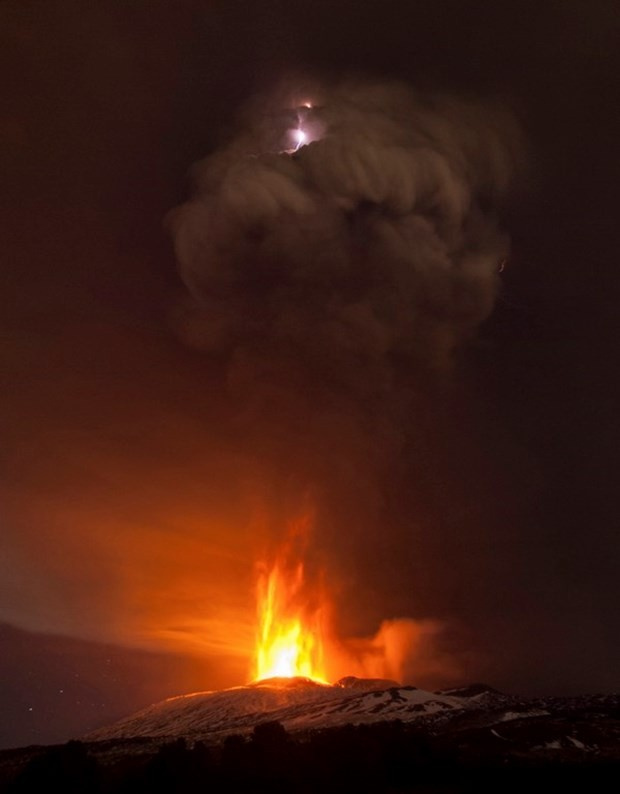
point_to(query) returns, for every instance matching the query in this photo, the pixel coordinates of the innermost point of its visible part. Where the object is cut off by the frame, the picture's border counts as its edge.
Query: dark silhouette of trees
(68, 769)
(175, 769)
(385, 757)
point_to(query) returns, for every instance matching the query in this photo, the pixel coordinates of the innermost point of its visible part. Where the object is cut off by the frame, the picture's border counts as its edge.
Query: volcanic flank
(298, 703)
(477, 721)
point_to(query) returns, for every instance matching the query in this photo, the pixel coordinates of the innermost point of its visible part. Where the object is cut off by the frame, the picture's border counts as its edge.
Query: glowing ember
(290, 637)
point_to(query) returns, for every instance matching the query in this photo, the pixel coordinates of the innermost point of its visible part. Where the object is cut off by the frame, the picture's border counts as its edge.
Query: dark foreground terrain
(382, 757)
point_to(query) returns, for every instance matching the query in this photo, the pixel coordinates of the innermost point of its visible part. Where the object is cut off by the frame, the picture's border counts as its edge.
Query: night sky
(138, 483)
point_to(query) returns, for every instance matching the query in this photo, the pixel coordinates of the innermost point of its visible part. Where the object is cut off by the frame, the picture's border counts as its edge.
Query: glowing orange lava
(290, 632)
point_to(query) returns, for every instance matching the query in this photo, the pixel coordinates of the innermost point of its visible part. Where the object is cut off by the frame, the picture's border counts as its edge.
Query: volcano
(296, 734)
(474, 717)
(298, 703)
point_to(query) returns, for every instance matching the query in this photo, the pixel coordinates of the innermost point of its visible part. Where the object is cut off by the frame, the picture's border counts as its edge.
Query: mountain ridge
(476, 718)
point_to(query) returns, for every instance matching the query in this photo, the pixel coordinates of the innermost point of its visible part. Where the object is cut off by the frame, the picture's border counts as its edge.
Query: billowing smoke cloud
(402, 650)
(322, 276)
(333, 281)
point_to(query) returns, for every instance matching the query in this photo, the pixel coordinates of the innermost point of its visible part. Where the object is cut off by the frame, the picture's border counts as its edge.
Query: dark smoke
(334, 283)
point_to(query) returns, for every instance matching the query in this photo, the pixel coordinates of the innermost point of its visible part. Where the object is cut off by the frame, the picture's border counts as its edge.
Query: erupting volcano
(290, 638)
(336, 253)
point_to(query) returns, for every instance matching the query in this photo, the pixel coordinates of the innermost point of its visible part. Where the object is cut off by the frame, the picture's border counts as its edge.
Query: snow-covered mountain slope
(475, 721)
(297, 703)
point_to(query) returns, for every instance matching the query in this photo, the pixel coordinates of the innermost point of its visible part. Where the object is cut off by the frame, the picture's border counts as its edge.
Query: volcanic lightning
(300, 136)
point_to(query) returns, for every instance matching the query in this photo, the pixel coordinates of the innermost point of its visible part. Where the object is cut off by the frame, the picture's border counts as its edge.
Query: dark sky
(129, 507)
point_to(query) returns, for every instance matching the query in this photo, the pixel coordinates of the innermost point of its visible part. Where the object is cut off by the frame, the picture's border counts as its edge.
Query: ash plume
(336, 281)
(373, 246)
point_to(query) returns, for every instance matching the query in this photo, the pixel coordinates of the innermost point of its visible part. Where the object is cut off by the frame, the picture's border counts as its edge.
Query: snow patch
(520, 715)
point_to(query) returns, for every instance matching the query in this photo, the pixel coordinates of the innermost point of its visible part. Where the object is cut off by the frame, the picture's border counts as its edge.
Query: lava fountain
(290, 634)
